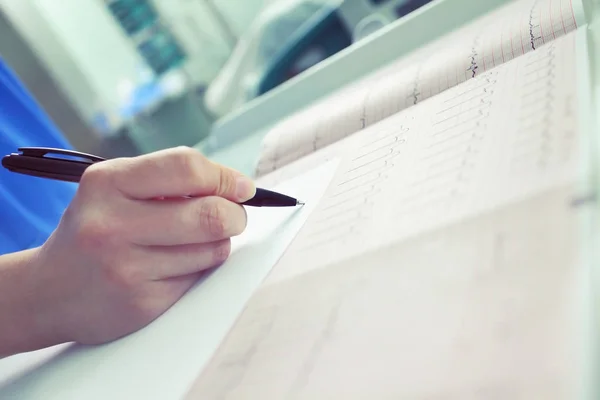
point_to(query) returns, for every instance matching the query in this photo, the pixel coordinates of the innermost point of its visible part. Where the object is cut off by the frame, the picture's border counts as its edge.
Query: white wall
(83, 47)
(95, 40)
(38, 32)
(89, 55)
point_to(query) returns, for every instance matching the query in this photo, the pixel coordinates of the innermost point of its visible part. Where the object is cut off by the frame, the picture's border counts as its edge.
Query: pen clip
(37, 161)
(39, 152)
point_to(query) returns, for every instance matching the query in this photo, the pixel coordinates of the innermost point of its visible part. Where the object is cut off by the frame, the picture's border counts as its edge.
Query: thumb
(234, 185)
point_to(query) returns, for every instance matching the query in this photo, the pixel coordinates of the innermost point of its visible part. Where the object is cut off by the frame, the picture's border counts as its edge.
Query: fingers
(179, 172)
(166, 262)
(184, 221)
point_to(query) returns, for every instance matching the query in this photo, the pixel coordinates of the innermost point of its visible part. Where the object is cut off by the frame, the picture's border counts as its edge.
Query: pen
(37, 161)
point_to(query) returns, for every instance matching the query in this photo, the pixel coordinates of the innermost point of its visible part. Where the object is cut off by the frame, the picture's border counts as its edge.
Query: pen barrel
(63, 170)
(34, 162)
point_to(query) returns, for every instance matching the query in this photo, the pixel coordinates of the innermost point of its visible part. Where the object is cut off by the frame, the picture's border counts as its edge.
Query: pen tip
(299, 203)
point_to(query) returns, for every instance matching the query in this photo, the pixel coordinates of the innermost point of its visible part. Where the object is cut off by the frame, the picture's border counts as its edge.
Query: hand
(129, 245)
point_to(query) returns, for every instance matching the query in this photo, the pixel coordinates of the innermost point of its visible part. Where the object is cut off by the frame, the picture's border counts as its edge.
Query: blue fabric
(30, 207)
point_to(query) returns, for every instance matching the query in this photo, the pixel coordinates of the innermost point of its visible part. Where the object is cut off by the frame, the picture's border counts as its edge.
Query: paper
(445, 261)
(162, 360)
(484, 309)
(505, 135)
(511, 31)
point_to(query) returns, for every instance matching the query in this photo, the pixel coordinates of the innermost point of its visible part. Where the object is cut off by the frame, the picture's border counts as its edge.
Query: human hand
(130, 245)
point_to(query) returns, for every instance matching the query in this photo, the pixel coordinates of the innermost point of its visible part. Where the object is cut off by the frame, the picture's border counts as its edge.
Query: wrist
(26, 317)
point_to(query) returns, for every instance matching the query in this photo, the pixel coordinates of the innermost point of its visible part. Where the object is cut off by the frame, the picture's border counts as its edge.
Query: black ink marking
(531, 26)
(416, 91)
(473, 67)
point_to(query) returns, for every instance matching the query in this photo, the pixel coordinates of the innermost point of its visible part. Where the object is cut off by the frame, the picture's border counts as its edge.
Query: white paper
(162, 360)
(508, 134)
(484, 309)
(518, 28)
(445, 262)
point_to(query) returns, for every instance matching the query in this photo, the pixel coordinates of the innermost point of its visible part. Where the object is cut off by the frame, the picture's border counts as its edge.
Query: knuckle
(100, 178)
(222, 251)
(212, 218)
(95, 175)
(186, 161)
(185, 150)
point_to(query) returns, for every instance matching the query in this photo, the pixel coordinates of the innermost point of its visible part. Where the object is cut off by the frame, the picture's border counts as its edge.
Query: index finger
(178, 172)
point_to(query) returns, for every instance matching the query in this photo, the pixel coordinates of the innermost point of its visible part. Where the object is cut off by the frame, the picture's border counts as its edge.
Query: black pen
(36, 161)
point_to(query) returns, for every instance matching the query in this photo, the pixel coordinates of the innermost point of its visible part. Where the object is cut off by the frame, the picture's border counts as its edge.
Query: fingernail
(244, 188)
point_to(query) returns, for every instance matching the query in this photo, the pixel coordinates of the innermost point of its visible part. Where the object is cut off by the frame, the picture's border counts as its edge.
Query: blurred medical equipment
(291, 36)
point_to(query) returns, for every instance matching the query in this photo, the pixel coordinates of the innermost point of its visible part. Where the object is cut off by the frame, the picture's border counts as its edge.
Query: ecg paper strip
(505, 135)
(484, 309)
(298, 167)
(514, 30)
